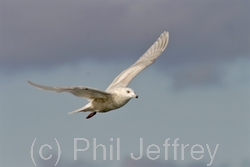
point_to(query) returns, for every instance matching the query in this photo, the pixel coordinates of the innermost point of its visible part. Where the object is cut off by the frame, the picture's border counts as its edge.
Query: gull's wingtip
(165, 37)
(166, 33)
(29, 82)
(35, 85)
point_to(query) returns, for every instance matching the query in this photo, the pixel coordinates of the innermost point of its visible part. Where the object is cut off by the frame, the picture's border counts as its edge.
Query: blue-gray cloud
(47, 34)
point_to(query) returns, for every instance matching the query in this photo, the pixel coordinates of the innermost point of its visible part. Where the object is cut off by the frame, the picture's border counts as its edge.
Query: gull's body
(117, 94)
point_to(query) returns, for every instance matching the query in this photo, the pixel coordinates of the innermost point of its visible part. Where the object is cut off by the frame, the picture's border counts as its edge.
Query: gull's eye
(128, 91)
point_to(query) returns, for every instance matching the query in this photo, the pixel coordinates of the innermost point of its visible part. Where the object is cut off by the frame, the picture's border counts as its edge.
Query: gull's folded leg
(91, 115)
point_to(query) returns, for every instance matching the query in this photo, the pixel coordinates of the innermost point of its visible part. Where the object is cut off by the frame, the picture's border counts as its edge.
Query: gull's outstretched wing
(79, 91)
(125, 77)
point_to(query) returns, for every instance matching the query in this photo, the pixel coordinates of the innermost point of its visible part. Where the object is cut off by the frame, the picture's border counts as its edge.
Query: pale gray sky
(197, 90)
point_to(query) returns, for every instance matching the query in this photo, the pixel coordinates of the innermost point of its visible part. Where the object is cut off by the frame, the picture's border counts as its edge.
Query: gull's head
(129, 93)
(124, 93)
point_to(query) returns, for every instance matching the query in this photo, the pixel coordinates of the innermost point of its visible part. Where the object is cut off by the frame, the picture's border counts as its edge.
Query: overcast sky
(197, 90)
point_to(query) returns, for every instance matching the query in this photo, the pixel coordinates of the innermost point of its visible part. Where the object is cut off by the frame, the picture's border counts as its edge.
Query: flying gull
(117, 94)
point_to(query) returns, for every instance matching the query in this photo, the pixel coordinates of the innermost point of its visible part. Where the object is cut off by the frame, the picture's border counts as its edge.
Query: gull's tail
(83, 109)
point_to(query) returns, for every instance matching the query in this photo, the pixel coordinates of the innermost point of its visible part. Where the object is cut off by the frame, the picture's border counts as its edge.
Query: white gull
(117, 94)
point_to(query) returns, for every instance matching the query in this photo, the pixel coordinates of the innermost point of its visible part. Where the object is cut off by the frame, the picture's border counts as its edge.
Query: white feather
(149, 57)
